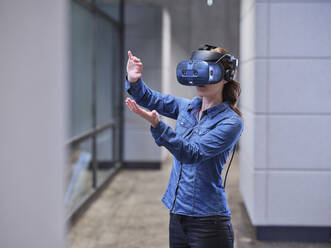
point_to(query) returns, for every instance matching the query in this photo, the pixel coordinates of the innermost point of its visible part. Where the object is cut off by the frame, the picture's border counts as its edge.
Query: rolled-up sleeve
(216, 141)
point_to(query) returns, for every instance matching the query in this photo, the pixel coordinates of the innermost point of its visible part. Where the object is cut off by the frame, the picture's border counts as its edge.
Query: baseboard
(293, 233)
(103, 165)
(149, 165)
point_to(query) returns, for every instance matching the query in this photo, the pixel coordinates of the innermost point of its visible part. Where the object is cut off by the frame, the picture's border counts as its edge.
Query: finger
(134, 104)
(137, 69)
(130, 104)
(127, 102)
(134, 107)
(155, 114)
(136, 59)
(137, 108)
(130, 54)
(130, 101)
(129, 107)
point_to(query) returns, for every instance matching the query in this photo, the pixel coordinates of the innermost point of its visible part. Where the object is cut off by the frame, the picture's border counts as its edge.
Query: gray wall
(172, 30)
(285, 168)
(143, 36)
(33, 83)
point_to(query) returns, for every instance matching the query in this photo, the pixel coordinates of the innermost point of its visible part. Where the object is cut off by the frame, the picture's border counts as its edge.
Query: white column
(285, 159)
(166, 65)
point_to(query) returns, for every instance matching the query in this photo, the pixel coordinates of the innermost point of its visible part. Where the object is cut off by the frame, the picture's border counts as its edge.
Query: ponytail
(231, 93)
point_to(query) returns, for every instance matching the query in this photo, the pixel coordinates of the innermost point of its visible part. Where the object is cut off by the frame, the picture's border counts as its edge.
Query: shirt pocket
(183, 126)
(203, 131)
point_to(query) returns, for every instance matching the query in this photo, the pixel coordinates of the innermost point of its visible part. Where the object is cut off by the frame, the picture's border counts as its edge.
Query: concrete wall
(172, 30)
(285, 168)
(33, 86)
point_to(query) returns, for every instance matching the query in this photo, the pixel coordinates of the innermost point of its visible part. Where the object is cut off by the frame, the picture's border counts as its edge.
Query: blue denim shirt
(200, 149)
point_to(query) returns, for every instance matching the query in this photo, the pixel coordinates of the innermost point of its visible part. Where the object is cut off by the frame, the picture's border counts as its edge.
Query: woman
(207, 128)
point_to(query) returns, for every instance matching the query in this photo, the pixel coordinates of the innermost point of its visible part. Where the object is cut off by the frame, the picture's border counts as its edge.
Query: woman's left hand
(151, 116)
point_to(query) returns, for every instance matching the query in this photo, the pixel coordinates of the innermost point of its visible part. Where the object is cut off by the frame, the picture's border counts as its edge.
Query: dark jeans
(200, 232)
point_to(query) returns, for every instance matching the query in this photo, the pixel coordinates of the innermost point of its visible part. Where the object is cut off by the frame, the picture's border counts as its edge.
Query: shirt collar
(197, 102)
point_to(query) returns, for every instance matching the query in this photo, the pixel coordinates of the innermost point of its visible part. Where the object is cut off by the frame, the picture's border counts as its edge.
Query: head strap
(206, 55)
(207, 47)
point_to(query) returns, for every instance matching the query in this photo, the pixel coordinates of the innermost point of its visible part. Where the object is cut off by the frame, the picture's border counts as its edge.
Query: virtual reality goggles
(205, 67)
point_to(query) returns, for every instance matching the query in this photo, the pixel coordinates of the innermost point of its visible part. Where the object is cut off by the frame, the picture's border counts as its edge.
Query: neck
(208, 102)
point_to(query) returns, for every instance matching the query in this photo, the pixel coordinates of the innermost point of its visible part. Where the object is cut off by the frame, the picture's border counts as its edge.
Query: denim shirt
(200, 149)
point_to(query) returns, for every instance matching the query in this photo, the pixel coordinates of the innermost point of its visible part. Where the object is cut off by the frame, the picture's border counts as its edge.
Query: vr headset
(205, 67)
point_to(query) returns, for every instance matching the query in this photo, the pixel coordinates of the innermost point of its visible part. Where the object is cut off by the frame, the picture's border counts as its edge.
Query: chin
(200, 91)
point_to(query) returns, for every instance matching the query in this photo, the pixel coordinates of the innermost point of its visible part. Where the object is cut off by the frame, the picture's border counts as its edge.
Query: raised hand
(151, 116)
(134, 68)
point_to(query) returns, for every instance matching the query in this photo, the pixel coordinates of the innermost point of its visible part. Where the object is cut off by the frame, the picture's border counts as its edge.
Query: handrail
(86, 135)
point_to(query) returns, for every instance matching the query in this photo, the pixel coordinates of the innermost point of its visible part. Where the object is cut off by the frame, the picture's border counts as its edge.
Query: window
(95, 121)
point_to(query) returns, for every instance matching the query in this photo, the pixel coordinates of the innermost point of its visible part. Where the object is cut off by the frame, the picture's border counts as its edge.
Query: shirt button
(182, 123)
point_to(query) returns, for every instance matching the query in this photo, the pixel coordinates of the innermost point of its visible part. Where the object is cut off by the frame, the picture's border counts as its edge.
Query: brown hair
(231, 90)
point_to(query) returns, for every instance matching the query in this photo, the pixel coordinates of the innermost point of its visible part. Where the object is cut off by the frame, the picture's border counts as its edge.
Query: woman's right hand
(151, 116)
(134, 68)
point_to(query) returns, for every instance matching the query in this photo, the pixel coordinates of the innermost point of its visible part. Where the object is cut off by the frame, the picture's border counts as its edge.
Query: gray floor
(129, 214)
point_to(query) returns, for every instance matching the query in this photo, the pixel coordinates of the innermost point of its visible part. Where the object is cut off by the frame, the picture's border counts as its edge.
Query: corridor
(129, 214)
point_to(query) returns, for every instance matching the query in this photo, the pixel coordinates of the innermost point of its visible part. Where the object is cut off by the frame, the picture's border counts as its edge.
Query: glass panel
(79, 179)
(104, 154)
(111, 7)
(104, 70)
(81, 69)
(79, 175)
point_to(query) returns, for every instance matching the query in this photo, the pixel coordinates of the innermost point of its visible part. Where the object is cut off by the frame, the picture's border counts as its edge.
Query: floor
(129, 214)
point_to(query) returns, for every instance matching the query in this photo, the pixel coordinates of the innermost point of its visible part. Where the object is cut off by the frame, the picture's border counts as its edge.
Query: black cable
(227, 170)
